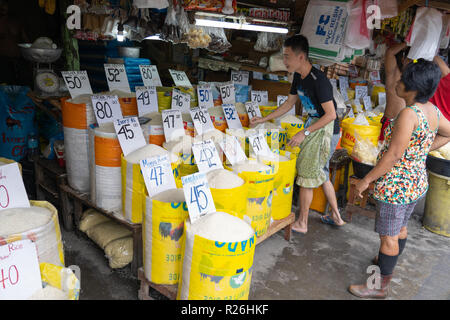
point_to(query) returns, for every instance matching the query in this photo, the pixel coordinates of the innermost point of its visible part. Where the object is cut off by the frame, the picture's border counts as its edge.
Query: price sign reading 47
(158, 175)
(198, 196)
(77, 82)
(172, 124)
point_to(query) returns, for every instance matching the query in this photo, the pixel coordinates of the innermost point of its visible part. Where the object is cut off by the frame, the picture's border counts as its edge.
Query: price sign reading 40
(106, 108)
(130, 134)
(198, 196)
(150, 75)
(77, 82)
(147, 100)
(12, 189)
(206, 156)
(158, 175)
(20, 276)
(116, 77)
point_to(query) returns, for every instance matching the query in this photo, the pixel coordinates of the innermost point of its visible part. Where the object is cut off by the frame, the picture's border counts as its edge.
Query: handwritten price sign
(206, 156)
(158, 175)
(130, 134)
(116, 77)
(106, 108)
(77, 82)
(12, 189)
(198, 196)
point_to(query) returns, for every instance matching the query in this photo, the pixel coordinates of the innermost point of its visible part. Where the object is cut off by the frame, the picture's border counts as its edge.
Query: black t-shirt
(314, 90)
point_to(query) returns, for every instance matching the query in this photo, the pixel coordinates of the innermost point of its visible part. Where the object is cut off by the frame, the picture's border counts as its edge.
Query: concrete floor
(319, 265)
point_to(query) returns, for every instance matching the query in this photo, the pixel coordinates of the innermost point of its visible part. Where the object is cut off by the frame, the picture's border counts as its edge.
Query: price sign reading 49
(147, 100)
(77, 82)
(116, 77)
(130, 134)
(158, 175)
(106, 108)
(198, 196)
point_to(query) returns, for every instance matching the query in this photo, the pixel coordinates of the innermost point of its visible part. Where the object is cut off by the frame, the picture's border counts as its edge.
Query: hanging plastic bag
(157, 4)
(425, 34)
(445, 36)
(276, 62)
(357, 35)
(219, 42)
(389, 8)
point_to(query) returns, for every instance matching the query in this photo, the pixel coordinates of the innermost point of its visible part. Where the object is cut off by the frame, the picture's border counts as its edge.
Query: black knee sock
(387, 263)
(401, 245)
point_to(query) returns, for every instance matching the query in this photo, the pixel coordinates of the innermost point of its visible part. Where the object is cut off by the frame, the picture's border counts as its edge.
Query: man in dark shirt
(320, 138)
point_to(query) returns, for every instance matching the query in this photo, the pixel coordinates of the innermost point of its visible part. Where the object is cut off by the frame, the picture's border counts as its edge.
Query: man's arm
(284, 108)
(390, 63)
(442, 65)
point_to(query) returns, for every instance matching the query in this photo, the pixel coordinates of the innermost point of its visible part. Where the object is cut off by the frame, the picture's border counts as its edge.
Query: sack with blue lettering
(17, 113)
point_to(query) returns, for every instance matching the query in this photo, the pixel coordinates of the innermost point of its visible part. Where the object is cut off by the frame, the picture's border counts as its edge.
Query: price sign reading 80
(150, 75)
(198, 195)
(106, 108)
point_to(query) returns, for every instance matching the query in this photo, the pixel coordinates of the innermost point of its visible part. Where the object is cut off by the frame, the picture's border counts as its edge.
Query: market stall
(144, 131)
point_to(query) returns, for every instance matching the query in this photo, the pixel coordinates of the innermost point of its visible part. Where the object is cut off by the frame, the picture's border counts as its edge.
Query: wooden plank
(276, 226)
(404, 5)
(169, 291)
(436, 4)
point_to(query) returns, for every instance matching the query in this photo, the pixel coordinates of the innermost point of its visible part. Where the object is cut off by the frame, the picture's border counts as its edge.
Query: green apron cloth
(313, 157)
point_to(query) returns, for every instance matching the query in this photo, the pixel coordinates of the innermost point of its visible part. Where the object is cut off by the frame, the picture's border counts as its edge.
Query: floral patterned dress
(408, 179)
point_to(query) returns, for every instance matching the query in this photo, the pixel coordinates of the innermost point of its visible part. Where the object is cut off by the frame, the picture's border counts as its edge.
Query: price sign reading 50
(205, 98)
(77, 82)
(198, 196)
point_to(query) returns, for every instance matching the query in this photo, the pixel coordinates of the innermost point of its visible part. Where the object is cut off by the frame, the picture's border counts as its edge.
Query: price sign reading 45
(260, 97)
(158, 175)
(117, 77)
(147, 100)
(206, 156)
(12, 189)
(231, 116)
(106, 108)
(130, 134)
(198, 196)
(20, 276)
(180, 78)
(202, 120)
(172, 124)
(150, 75)
(205, 97)
(181, 101)
(253, 110)
(228, 94)
(77, 82)
(240, 77)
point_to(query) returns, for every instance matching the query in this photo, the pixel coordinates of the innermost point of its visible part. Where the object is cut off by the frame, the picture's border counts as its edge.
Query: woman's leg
(330, 194)
(306, 195)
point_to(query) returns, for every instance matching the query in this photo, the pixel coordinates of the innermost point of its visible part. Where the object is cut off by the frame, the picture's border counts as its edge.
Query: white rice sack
(19, 220)
(223, 179)
(267, 126)
(148, 151)
(49, 293)
(170, 196)
(250, 167)
(291, 119)
(221, 227)
(276, 157)
(120, 94)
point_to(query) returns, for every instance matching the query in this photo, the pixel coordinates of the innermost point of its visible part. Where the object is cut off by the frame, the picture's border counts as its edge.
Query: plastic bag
(425, 35)
(197, 37)
(16, 121)
(357, 35)
(445, 36)
(171, 30)
(267, 42)
(389, 8)
(158, 4)
(61, 278)
(276, 62)
(364, 151)
(119, 252)
(219, 42)
(361, 120)
(208, 5)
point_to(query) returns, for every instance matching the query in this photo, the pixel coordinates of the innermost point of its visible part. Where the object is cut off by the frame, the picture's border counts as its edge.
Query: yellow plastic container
(371, 132)
(437, 206)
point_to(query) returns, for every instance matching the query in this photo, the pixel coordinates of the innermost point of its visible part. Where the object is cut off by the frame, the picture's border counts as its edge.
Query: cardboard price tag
(260, 97)
(232, 149)
(281, 100)
(252, 110)
(147, 100)
(158, 174)
(198, 196)
(150, 75)
(130, 134)
(172, 124)
(231, 116)
(206, 156)
(106, 108)
(77, 82)
(361, 92)
(240, 77)
(12, 188)
(202, 120)
(181, 101)
(20, 276)
(180, 78)
(228, 94)
(367, 103)
(117, 77)
(259, 145)
(205, 96)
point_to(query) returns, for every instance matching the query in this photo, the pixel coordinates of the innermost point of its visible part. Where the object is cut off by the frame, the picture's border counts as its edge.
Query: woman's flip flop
(328, 220)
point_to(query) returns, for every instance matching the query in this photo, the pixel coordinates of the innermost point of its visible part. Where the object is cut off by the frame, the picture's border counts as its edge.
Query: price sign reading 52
(116, 77)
